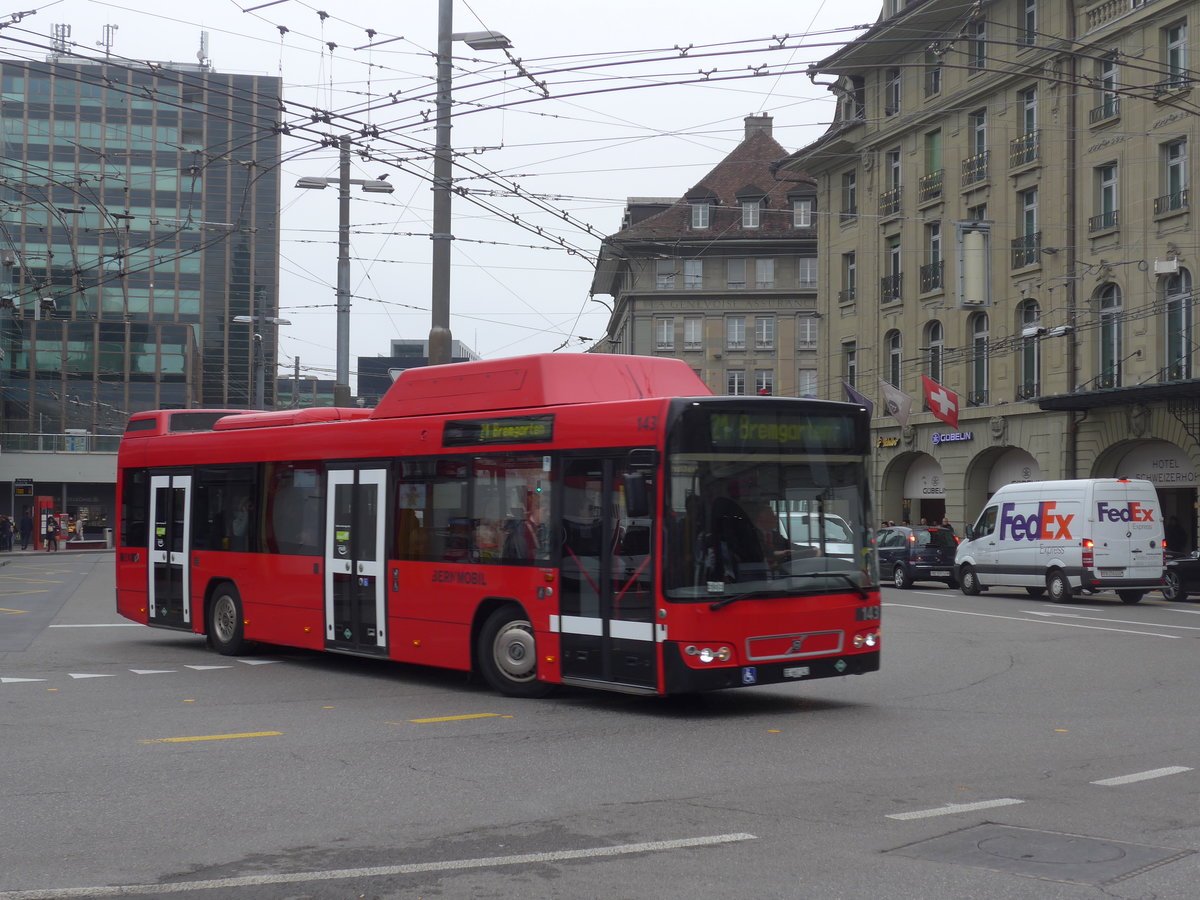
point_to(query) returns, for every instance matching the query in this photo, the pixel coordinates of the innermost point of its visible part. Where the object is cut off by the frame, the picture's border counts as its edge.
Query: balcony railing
(889, 202)
(846, 296)
(1026, 250)
(931, 276)
(975, 169)
(1172, 202)
(1109, 380)
(1023, 151)
(1106, 221)
(977, 398)
(1180, 372)
(929, 188)
(1028, 390)
(890, 288)
(1109, 109)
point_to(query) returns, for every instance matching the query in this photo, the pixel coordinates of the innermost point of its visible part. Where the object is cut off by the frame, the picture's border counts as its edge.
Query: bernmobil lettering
(1045, 524)
(1129, 512)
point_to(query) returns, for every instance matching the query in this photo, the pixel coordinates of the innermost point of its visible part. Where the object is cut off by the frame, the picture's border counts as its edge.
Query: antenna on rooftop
(107, 41)
(202, 53)
(61, 33)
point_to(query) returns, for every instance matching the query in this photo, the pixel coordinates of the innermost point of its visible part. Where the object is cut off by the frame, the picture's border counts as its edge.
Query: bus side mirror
(637, 495)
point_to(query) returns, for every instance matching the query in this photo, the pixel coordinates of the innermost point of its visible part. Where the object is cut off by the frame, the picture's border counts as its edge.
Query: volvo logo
(797, 645)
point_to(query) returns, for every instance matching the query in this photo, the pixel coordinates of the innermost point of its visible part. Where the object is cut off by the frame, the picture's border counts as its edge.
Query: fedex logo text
(1130, 512)
(1044, 525)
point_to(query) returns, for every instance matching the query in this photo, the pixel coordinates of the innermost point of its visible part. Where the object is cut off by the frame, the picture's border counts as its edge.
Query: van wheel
(1172, 589)
(507, 654)
(225, 621)
(968, 581)
(1058, 587)
(1035, 592)
(1131, 597)
(900, 577)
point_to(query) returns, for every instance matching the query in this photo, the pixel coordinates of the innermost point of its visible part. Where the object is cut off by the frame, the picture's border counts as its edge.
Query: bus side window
(412, 512)
(294, 505)
(134, 508)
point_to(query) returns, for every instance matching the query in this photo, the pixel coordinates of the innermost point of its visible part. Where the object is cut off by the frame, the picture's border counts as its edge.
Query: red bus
(592, 520)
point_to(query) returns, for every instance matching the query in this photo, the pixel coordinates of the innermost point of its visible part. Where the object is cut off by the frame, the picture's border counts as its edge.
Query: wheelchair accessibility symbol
(750, 675)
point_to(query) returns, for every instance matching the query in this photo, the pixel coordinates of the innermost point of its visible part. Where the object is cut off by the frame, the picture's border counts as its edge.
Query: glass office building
(139, 210)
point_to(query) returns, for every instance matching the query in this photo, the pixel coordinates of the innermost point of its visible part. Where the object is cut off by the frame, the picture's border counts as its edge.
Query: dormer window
(751, 213)
(701, 214)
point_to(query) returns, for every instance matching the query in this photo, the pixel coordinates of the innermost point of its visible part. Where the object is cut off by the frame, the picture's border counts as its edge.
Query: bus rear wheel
(225, 621)
(507, 654)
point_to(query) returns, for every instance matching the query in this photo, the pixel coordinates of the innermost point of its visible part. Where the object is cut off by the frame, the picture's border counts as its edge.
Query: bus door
(170, 538)
(606, 620)
(355, 613)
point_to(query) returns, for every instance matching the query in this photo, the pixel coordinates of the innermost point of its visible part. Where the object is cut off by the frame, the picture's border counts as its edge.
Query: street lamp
(260, 361)
(443, 173)
(341, 387)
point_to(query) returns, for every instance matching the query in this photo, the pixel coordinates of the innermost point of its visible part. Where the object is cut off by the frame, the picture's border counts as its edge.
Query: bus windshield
(764, 519)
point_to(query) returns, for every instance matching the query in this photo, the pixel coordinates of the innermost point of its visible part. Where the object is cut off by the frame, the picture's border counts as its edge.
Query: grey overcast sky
(643, 98)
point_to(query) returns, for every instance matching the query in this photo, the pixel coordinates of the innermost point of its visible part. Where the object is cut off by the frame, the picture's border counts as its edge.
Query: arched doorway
(1165, 465)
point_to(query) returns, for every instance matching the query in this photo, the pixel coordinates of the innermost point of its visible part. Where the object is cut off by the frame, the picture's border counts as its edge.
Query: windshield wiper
(733, 598)
(862, 591)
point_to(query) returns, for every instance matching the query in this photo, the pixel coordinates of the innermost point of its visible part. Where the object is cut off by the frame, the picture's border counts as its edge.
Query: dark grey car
(919, 553)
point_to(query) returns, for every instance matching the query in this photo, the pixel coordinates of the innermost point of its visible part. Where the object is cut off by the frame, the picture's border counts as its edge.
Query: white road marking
(18, 680)
(946, 810)
(963, 612)
(206, 668)
(102, 625)
(1066, 615)
(450, 865)
(152, 671)
(74, 675)
(1142, 776)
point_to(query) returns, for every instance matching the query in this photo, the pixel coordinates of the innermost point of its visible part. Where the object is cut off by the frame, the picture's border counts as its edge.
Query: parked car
(1181, 576)
(919, 553)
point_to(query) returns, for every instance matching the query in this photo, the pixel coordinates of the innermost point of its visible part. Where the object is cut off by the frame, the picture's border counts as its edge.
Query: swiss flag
(942, 403)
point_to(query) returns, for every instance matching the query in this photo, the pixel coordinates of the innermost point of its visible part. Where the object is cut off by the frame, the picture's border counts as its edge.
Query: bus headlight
(868, 639)
(719, 653)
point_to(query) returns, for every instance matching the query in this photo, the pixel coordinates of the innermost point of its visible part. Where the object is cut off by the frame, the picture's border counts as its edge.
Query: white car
(829, 535)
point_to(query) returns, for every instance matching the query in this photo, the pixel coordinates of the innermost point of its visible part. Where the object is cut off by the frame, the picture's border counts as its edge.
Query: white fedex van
(1061, 537)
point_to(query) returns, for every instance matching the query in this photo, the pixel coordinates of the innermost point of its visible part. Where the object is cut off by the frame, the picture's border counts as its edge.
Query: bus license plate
(796, 672)
(939, 573)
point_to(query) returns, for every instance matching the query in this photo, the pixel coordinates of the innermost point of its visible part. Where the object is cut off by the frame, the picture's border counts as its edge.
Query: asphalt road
(1009, 748)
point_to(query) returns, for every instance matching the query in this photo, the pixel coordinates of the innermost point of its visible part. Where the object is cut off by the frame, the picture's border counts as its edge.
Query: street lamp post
(341, 387)
(260, 355)
(443, 175)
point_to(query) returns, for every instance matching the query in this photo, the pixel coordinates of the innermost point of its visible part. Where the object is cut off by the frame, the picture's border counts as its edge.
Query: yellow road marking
(7, 612)
(211, 737)
(455, 718)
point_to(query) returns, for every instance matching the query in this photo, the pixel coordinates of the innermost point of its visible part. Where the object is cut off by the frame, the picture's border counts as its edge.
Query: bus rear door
(606, 621)
(170, 538)
(355, 614)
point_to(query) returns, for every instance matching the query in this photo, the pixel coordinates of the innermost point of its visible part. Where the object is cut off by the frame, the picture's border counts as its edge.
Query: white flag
(898, 403)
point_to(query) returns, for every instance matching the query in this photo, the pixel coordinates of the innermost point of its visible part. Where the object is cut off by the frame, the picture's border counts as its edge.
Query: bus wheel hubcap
(516, 655)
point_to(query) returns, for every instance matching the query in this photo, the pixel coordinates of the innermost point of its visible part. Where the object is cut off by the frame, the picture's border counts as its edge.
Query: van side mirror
(969, 532)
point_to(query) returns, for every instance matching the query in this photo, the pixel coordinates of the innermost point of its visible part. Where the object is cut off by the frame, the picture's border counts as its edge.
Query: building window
(895, 359)
(1175, 178)
(806, 382)
(1176, 55)
(1027, 247)
(849, 278)
(735, 382)
(701, 215)
(1106, 199)
(806, 271)
(764, 382)
(1029, 31)
(764, 274)
(977, 48)
(1106, 88)
(806, 332)
(664, 274)
(735, 274)
(975, 166)
(764, 332)
(735, 333)
(933, 72)
(891, 285)
(664, 334)
(979, 360)
(1025, 150)
(850, 363)
(1177, 294)
(693, 274)
(891, 92)
(849, 196)
(934, 350)
(931, 270)
(802, 213)
(1110, 337)
(693, 333)
(751, 213)
(1029, 361)
(930, 187)
(889, 200)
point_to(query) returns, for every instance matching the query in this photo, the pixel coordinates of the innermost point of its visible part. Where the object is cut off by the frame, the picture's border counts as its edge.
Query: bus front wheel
(225, 621)
(507, 654)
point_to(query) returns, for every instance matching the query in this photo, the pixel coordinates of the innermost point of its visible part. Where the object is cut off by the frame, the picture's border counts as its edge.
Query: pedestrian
(6, 533)
(946, 524)
(26, 528)
(1176, 535)
(51, 533)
